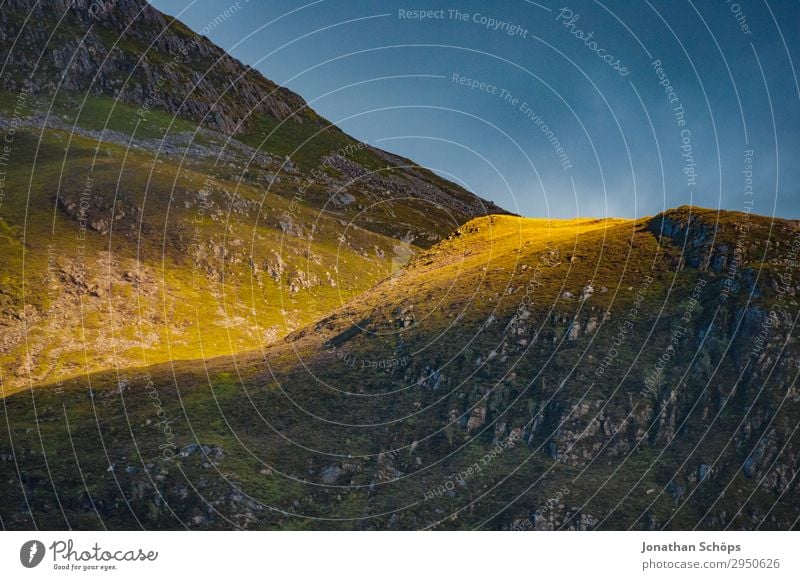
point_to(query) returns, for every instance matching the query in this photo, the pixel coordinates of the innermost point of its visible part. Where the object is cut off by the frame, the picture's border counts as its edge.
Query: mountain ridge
(166, 71)
(157, 167)
(518, 359)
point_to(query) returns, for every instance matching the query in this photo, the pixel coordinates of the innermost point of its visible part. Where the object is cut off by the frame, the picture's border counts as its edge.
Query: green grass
(101, 112)
(306, 143)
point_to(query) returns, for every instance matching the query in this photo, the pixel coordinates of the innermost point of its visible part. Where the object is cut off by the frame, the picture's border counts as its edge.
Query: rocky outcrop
(138, 54)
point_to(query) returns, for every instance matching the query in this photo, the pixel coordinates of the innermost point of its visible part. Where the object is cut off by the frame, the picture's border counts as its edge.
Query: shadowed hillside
(521, 374)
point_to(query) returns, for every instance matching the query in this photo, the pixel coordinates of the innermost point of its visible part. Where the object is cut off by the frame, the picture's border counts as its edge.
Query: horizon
(553, 131)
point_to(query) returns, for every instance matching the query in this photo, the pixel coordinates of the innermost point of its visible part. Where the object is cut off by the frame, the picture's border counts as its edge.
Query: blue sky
(549, 109)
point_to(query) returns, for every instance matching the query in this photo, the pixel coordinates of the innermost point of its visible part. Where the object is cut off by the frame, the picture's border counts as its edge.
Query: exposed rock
(477, 419)
(331, 473)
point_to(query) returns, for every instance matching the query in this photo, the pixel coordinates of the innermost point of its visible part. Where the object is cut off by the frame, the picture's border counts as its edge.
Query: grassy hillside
(122, 251)
(161, 200)
(522, 374)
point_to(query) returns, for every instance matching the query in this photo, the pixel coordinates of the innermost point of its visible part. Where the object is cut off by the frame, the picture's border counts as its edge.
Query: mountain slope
(522, 374)
(161, 200)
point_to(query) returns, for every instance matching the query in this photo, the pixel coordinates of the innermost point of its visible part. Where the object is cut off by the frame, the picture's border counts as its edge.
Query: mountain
(161, 200)
(519, 374)
(219, 311)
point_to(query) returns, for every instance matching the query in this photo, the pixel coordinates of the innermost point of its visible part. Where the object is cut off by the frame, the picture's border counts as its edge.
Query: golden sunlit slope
(169, 260)
(488, 263)
(161, 200)
(629, 362)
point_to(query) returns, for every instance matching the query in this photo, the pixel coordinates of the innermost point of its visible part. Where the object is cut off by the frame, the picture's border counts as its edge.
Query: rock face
(95, 211)
(130, 51)
(138, 54)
